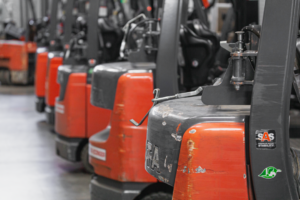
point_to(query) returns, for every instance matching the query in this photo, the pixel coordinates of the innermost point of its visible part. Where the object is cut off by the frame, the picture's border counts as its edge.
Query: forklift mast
(68, 27)
(93, 32)
(271, 99)
(195, 62)
(175, 14)
(54, 45)
(31, 23)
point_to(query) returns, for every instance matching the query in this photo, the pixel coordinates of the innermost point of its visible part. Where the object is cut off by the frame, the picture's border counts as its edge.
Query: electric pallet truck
(117, 153)
(75, 118)
(75, 12)
(50, 42)
(231, 140)
(17, 54)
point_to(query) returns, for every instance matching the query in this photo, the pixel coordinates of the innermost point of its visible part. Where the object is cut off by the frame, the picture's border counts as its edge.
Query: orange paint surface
(40, 74)
(212, 163)
(206, 4)
(52, 87)
(75, 116)
(97, 118)
(14, 54)
(70, 121)
(126, 144)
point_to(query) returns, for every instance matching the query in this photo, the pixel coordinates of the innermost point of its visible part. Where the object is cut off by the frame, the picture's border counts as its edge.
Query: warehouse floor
(29, 167)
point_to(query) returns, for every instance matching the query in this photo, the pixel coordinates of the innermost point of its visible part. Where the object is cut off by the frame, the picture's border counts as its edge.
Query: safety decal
(265, 139)
(96, 152)
(59, 108)
(269, 172)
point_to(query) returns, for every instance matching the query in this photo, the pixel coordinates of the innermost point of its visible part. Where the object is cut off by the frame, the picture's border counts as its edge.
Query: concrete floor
(29, 167)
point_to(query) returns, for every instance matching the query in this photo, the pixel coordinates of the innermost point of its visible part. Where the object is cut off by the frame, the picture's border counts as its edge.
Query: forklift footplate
(107, 189)
(40, 104)
(50, 115)
(67, 147)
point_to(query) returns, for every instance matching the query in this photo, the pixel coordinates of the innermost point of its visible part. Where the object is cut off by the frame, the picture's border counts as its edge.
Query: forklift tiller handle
(155, 101)
(126, 29)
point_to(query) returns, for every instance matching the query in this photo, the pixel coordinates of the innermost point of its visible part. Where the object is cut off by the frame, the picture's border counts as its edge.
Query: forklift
(125, 88)
(17, 57)
(75, 118)
(44, 38)
(231, 140)
(75, 11)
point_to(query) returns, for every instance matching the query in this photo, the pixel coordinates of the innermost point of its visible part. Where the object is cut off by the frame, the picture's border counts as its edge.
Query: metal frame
(92, 35)
(68, 22)
(166, 72)
(271, 99)
(53, 22)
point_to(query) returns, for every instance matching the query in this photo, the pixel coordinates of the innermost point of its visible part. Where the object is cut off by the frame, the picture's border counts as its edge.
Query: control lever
(126, 30)
(156, 93)
(156, 100)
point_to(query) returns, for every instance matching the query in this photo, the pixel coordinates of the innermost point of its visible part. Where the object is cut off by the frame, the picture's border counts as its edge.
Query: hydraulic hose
(252, 30)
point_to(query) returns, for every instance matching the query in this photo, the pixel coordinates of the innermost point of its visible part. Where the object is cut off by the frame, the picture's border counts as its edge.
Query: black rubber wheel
(85, 159)
(5, 77)
(158, 196)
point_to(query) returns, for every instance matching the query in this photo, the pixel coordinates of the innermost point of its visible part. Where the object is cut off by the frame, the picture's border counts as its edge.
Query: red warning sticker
(265, 139)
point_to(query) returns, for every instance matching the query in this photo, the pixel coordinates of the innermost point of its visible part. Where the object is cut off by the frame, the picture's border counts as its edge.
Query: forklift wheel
(5, 77)
(85, 159)
(158, 196)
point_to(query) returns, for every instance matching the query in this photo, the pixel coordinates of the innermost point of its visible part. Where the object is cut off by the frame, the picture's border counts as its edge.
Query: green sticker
(269, 173)
(91, 71)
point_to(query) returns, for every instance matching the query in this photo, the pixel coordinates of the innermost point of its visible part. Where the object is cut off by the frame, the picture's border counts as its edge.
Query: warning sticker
(265, 139)
(97, 152)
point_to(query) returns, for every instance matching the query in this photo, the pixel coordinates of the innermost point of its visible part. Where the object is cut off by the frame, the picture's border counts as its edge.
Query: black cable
(252, 30)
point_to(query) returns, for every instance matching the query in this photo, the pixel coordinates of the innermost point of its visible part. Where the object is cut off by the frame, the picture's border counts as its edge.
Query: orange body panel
(212, 163)
(126, 144)
(205, 3)
(75, 116)
(40, 74)
(14, 54)
(97, 119)
(70, 113)
(52, 87)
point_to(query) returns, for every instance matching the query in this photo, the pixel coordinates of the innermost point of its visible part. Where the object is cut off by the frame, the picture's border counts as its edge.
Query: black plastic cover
(64, 72)
(108, 189)
(104, 83)
(105, 80)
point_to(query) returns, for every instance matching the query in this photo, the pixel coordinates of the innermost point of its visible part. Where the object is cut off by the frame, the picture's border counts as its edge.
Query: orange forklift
(17, 54)
(231, 140)
(117, 153)
(76, 119)
(53, 36)
(75, 11)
